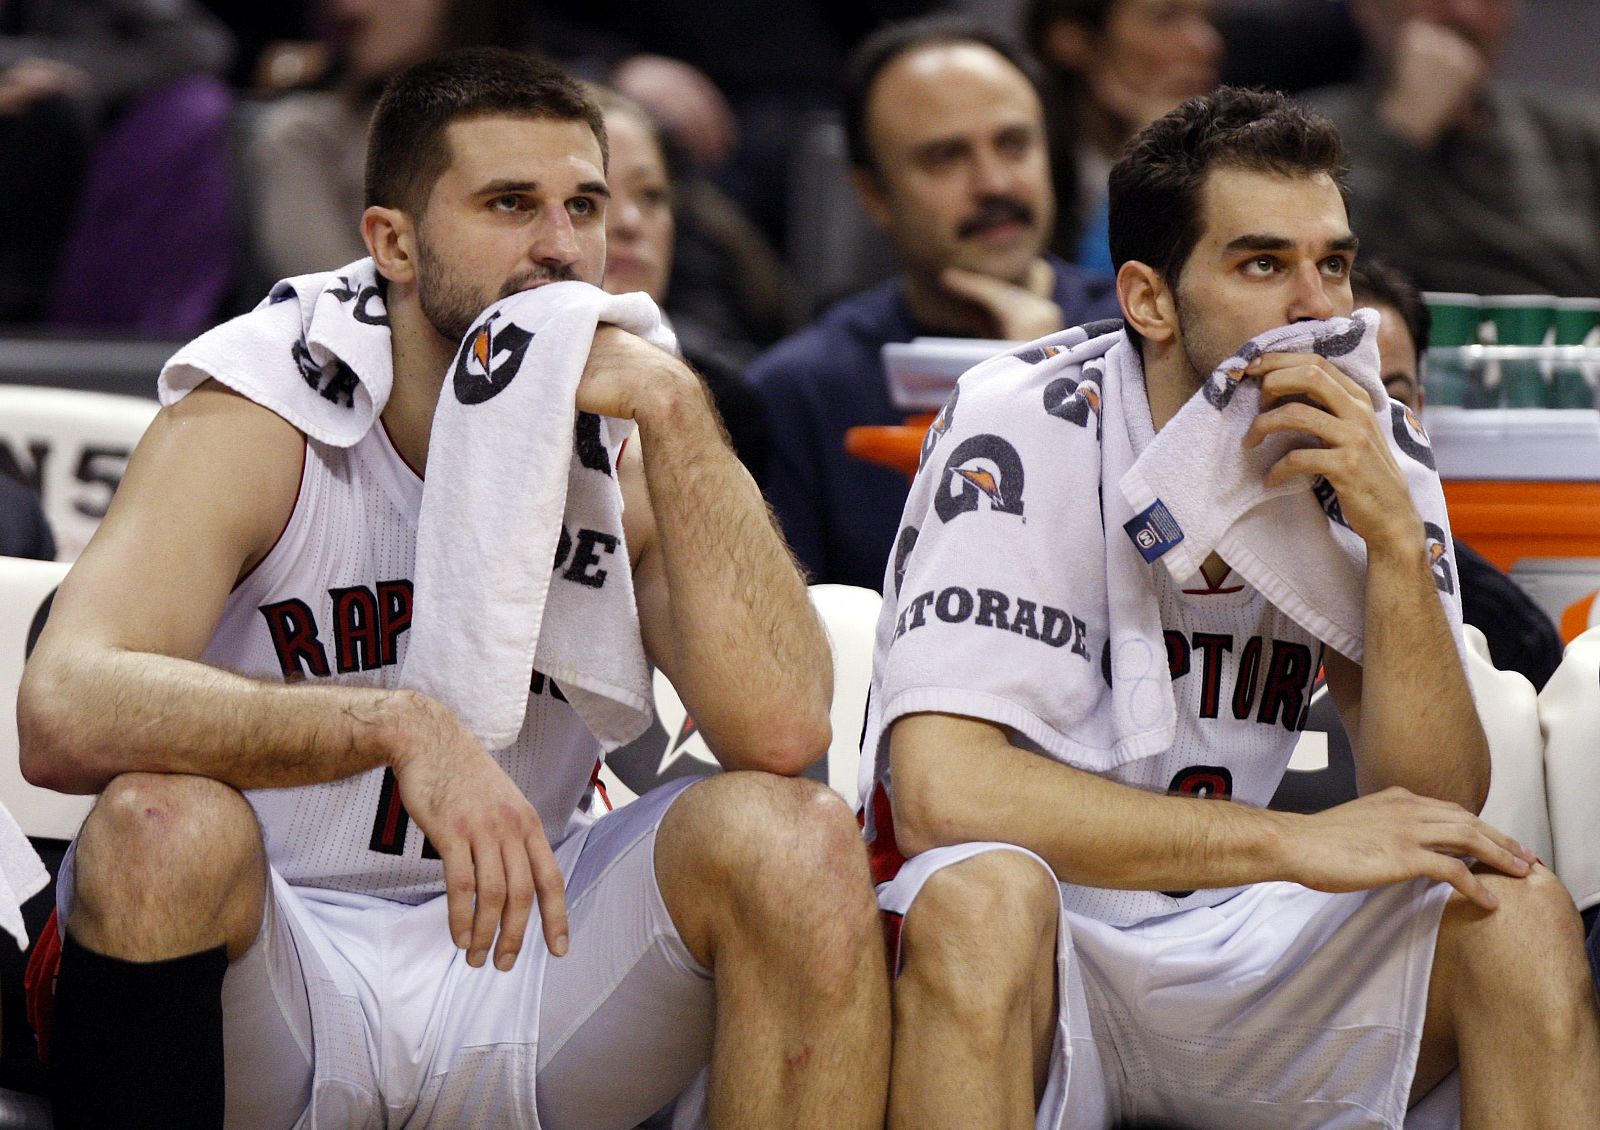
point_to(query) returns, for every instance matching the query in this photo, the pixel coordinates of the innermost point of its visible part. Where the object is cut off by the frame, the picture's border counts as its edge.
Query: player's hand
(1013, 313)
(1395, 835)
(1435, 75)
(1301, 392)
(625, 373)
(497, 858)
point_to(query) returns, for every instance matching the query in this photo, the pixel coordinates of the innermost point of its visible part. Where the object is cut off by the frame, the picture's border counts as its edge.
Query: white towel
(1020, 586)
(515, 481)
(508, 492)
(22, 875)
(1289, 543)
(315, 351)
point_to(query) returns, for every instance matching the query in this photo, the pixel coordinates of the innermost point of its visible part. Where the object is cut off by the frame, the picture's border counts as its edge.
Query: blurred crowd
(795, 186)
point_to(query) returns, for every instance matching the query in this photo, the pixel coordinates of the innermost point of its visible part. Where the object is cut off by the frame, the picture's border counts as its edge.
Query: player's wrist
(391, 737)
(1281, 847)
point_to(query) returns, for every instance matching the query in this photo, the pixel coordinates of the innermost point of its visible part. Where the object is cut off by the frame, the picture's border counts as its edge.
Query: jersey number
(390, 825)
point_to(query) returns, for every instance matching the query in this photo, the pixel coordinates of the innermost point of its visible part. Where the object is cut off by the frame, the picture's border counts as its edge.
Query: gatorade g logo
(1409, 436)
(982, 467)
(1075, 401)
(368, 302)
(488, 360)
(1439, 558)
(941, 425)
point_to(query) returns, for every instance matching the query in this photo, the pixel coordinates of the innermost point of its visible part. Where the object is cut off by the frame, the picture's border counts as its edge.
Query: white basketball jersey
(1242, 675)
(332, 601)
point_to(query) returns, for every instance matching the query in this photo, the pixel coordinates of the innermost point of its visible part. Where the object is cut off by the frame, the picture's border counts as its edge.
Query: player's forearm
(1418, 726)
(749, 655)
(1092, 831)
(84, 718)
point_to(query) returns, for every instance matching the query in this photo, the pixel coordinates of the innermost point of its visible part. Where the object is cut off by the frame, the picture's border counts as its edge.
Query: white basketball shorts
(1280, 1008)
(354, 1012)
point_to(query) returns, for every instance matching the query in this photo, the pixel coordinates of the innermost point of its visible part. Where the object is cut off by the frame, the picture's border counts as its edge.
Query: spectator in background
(1521, 637)
(306, 155)
(68, 70)
(1114, 66)
(731, 80)
(305, 165)
(946, 133)
(1468, 183)
(640, 226)
(24, 531)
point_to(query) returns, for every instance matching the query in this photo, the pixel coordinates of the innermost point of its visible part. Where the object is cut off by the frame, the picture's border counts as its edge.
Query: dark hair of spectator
(1041, 15)
(1377, 283)
(887, 44)
(1156, 187)
(408, 147)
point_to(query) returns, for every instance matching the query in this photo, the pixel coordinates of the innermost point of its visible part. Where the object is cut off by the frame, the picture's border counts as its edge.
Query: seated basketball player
(243, 945)
(1091, 932)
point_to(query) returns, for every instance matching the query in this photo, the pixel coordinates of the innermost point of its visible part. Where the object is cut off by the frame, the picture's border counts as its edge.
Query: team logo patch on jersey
(684, 739)
(941, 424)
(1076, 401)
(1409, 435)
(1439, 558)
(981, 467)
(488, 360)
(367, 302)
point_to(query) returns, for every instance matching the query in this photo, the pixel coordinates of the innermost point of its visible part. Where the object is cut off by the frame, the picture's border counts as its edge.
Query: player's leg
(975, 1000)
(766, 879)
(168, 878)
(1511, 1001)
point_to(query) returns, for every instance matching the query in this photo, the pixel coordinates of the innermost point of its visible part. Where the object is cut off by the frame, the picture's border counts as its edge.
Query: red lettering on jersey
(355, 629)
(1287, 679)
(294, 637)
(394, 617)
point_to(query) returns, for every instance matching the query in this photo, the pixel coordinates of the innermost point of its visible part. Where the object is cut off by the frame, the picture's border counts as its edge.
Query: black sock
(137, 1044)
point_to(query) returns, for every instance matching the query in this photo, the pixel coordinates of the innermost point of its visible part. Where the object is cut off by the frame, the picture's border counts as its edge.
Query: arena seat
(71, 447)
(1569, 714)
(25, 586)
(1509, 710)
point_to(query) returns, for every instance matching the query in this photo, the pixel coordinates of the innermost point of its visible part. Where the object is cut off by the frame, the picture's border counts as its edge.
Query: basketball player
(1077, 946)
(353, 987)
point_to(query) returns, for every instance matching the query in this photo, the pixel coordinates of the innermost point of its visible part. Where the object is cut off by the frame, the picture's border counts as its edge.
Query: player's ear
(1148, 303)
(390, 236)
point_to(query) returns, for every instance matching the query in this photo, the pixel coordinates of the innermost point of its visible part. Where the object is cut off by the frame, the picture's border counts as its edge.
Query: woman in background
(641, 227)
(1114, 66)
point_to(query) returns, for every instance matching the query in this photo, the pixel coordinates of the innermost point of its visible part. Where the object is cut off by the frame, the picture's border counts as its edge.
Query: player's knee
(784, 854)
(166, 827)
(1536, 916)
(974, 934)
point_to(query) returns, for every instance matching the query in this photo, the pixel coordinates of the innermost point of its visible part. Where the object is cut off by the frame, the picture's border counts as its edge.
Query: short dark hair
(888, 43)
(1156, 186)
(1375, 282)
(407, 147)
